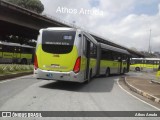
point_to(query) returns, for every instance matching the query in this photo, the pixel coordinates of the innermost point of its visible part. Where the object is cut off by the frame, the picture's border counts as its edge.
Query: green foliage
(18, 39)
(34, 5)
(1, 69)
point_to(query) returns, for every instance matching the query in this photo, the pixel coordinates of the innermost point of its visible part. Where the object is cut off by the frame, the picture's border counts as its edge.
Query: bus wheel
(137, 69)
(23, 61)
(107, 72)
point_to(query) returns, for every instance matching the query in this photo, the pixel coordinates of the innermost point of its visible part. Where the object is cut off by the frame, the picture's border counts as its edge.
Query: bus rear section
(58, 56)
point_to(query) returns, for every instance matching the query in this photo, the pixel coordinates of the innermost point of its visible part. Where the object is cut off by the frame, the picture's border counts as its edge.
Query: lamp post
(149, 47)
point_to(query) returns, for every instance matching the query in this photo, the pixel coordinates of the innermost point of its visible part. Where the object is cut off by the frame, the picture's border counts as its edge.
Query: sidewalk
(144, 87)
(10, 76)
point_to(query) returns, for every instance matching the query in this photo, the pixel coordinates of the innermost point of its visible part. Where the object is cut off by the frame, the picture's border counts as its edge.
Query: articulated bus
(143, 64)
(16, 53)
(70, 54)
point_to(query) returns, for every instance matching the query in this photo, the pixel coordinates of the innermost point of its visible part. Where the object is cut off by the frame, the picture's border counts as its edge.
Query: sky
(125, 22)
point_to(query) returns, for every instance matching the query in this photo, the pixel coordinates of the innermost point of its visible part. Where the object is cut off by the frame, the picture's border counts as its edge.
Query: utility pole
(149, 47)
(74, 23)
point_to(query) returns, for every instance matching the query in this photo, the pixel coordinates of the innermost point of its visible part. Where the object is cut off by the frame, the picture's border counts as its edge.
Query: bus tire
(24, 61)
(137, 69)
(107, 72)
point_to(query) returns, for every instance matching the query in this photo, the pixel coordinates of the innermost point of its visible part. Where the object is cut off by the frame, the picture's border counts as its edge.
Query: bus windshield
(58, 42)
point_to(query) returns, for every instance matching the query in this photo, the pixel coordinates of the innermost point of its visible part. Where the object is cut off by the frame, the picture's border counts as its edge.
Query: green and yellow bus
(16, 53)
(70, 54)
(143, 64)
(158, 74)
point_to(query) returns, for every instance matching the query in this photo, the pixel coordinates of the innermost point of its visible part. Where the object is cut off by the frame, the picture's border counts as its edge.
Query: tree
(18, 39)
(34, 5)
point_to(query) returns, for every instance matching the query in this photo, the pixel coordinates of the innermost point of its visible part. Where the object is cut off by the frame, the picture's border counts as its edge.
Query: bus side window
(19, 49)
(14, 49)
(5, 49)
(125, 58)
(115, 56)
(93, 50)
(106, 55)
(149, 62)
(0, 48)
(25, 50)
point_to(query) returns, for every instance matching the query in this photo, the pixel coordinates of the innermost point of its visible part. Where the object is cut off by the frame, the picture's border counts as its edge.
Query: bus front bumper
(61, 76)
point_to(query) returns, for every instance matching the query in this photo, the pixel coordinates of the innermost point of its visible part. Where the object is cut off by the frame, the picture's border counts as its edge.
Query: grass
(6, 69)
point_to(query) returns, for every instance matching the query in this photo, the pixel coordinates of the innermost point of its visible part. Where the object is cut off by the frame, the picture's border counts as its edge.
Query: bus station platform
(144, 87)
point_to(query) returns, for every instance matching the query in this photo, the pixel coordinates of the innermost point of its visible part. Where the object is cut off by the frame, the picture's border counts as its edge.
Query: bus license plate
(50, 75)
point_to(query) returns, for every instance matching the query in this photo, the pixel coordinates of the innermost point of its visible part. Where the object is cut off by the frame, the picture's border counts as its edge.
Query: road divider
(142, 92)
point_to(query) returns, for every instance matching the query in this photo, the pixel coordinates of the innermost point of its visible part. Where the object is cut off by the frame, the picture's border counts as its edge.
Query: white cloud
(119, 23)
(116, 6)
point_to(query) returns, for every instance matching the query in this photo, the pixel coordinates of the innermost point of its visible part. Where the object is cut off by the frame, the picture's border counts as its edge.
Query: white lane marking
(135, 96)
(4, 81)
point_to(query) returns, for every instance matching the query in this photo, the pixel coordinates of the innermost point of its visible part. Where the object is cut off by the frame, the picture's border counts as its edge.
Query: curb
(147, 95)
(14, 75)
(153, 81)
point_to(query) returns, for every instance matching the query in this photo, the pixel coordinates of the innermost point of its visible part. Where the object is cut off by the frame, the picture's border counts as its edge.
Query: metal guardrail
(5, 68)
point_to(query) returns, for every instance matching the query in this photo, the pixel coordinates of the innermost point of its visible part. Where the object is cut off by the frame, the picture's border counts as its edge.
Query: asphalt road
(101, 94)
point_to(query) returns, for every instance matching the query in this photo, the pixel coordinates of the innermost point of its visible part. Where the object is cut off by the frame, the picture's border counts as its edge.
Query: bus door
(16, 54)
(128, 64)
(120, 65)
(0, 51)
(88, 58)
(13, 49)
(86, 46)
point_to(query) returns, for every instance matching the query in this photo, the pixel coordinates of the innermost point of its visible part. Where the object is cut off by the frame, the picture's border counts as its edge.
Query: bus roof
(146, 59)
(59, 28)
(90, 37)
(108, 47)
(15, 44)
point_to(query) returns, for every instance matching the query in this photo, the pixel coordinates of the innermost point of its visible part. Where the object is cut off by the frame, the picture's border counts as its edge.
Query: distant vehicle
(70, 54)
(140, 64)
(158, 73)
(16, 53)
